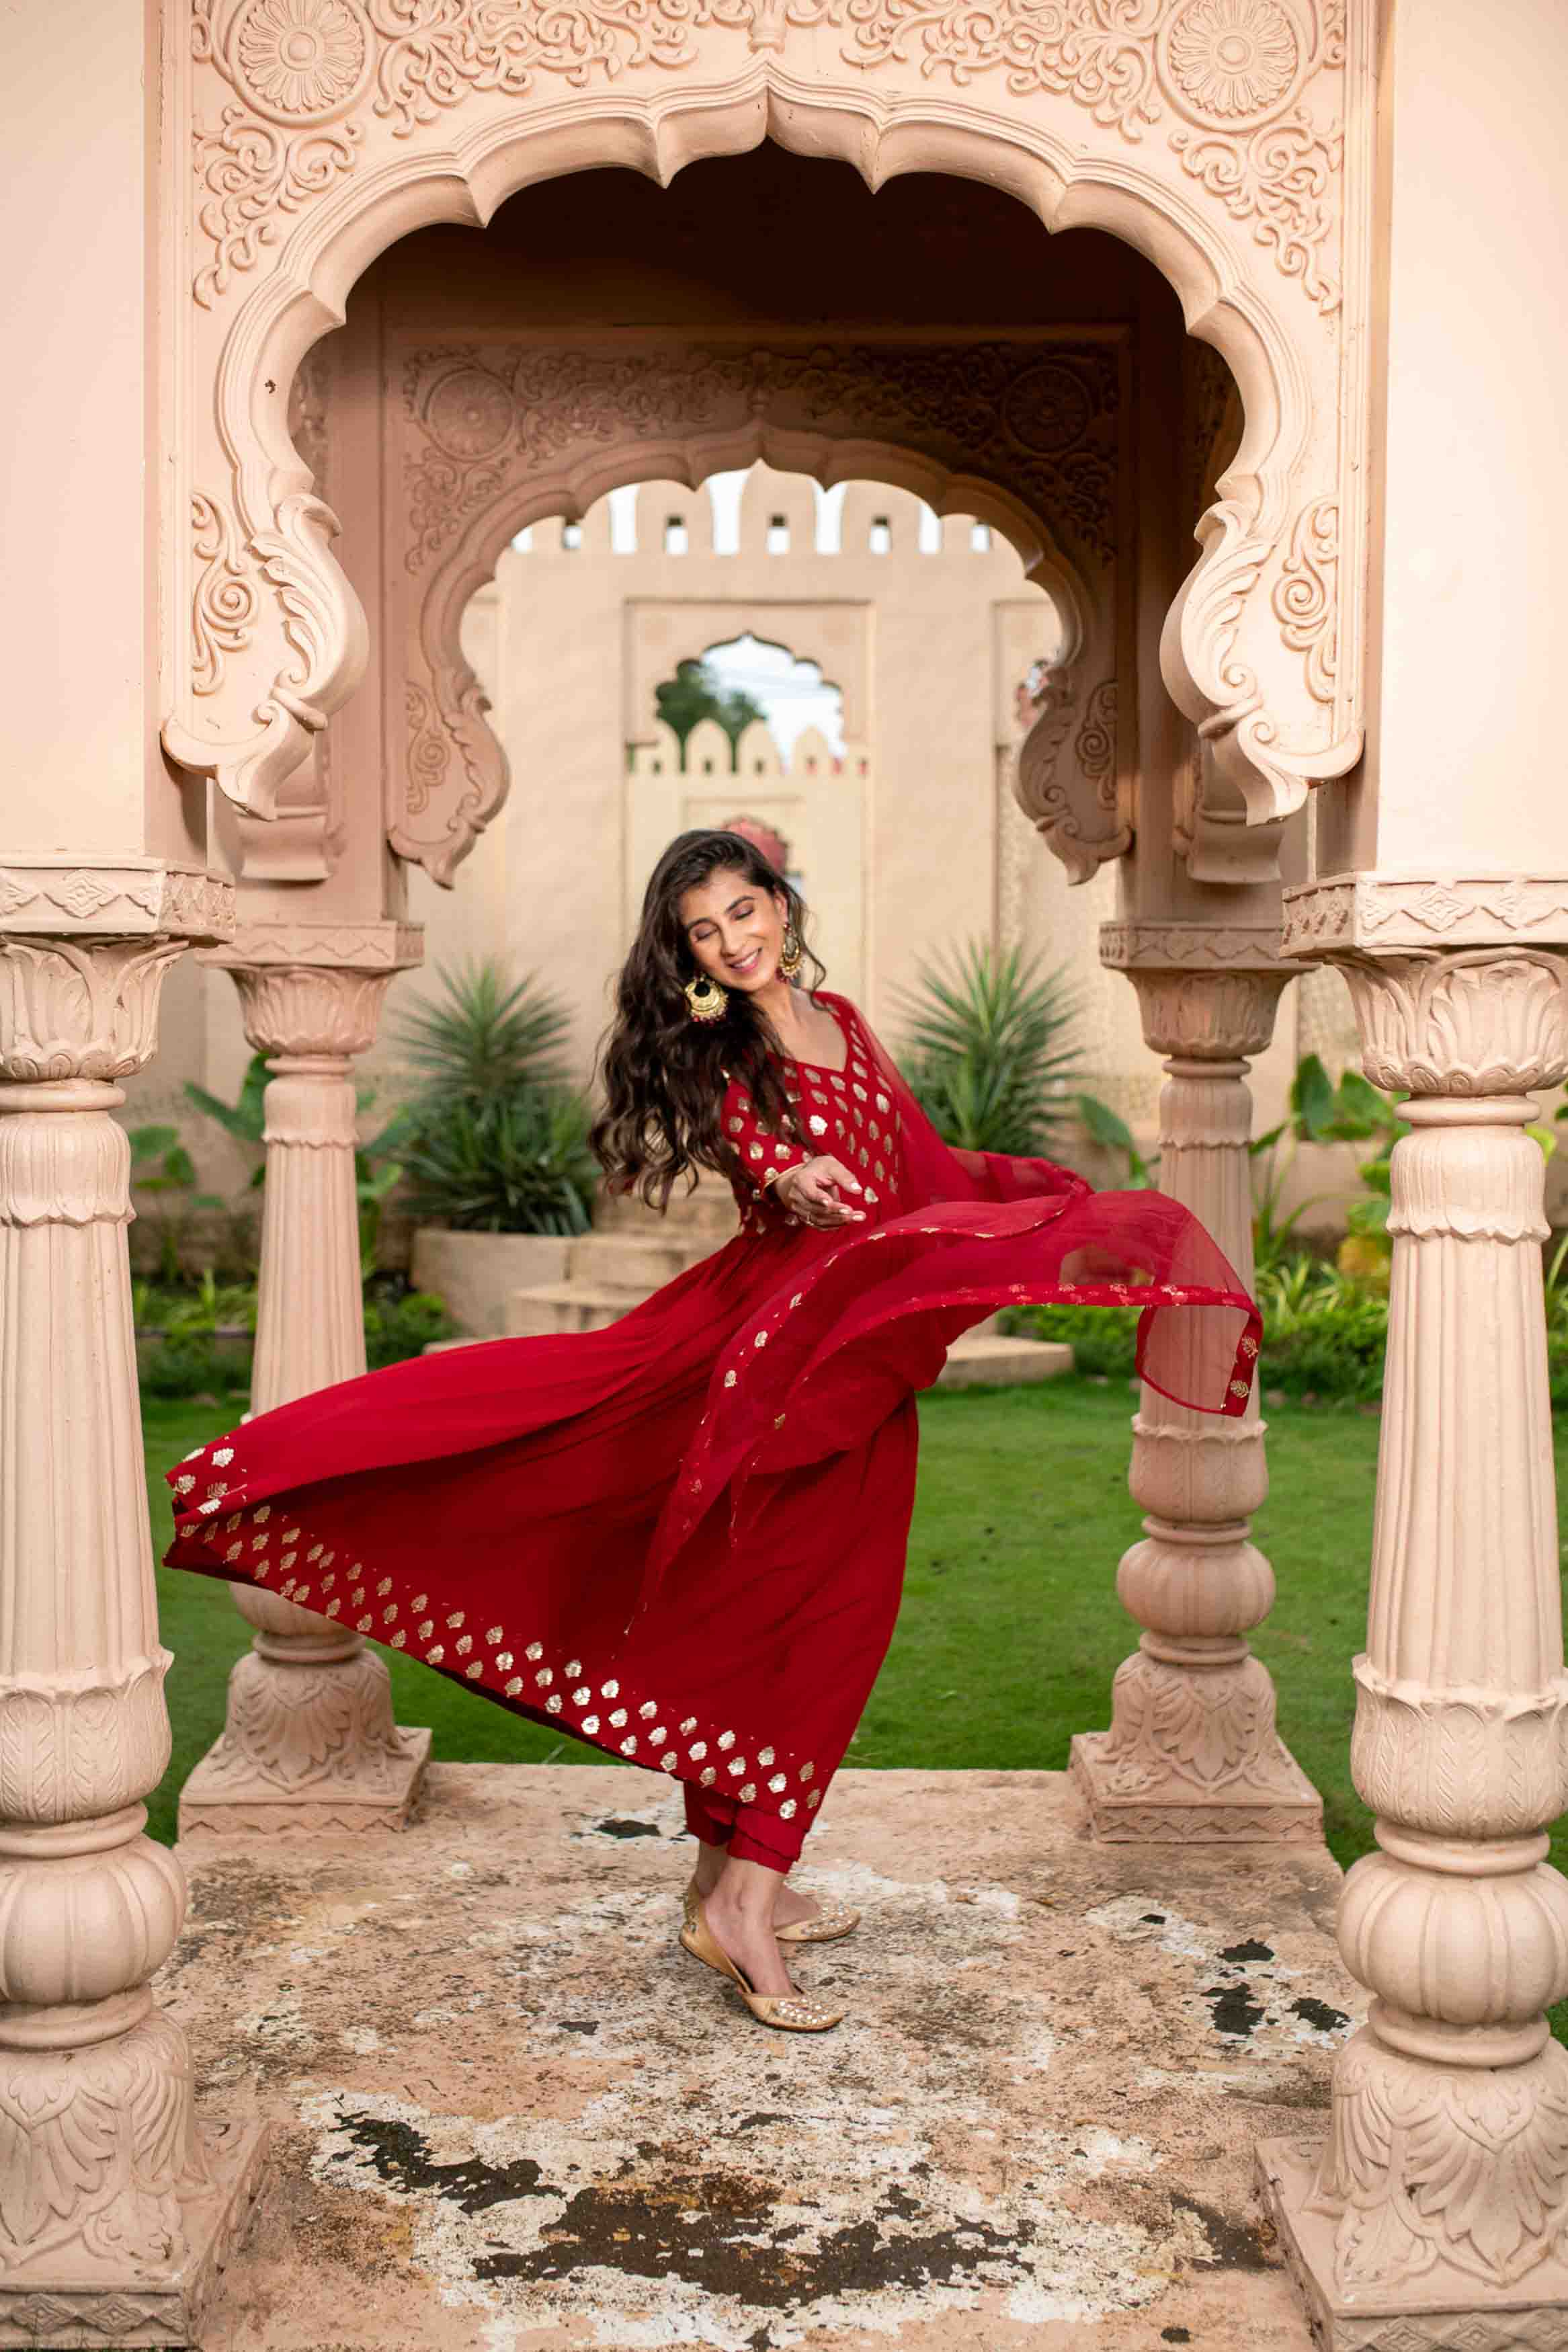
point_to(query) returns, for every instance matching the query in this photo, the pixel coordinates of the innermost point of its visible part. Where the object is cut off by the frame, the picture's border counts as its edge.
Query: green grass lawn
(1010, 1630)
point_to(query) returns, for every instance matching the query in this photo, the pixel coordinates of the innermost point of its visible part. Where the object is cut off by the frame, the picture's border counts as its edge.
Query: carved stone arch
(447, 773)
(1239, 166)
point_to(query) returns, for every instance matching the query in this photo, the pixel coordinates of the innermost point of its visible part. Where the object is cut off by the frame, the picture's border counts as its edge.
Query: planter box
(475, 1273)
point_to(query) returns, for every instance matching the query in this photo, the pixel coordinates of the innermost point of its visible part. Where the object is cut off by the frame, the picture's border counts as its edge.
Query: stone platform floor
(510, 2112)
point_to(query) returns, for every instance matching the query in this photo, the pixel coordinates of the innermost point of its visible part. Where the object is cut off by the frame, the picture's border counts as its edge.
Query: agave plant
(486, 1035)
(516, 1164)
(987, 1048)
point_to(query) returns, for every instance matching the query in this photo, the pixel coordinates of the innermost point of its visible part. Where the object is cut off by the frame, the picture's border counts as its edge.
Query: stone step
(567, 1306)
(634, 1260)
(709, 1209)
(983, 1361)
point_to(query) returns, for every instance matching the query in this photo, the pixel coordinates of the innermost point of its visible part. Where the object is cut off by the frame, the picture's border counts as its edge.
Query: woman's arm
(764, 1156)
(808, 1182)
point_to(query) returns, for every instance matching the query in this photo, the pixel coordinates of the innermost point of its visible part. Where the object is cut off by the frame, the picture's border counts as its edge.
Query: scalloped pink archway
(463, 181)
(459, 701)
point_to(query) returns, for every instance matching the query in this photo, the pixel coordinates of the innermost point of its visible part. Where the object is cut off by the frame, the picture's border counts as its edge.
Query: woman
(682, 1538)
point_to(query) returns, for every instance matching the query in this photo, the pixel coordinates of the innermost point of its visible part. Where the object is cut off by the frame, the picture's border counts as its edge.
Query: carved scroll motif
(1073, 802)
(1306, 598)
(223, 606)
(311, 77)
(1041, 422)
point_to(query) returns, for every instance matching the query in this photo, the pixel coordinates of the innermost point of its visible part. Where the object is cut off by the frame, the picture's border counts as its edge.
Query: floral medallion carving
(1047, 410)
(469, 414)
(298, 60)
(1230, 62)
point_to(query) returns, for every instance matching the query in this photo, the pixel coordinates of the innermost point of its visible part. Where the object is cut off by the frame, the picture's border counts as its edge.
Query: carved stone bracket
(1069, 778)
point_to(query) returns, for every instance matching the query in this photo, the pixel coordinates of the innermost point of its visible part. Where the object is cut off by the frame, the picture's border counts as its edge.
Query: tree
(695, 694)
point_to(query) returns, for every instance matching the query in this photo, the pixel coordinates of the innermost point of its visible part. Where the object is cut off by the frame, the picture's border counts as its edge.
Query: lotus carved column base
(135, 2204)
(1436, 2218)
(1192, 1755)
(309, 1746)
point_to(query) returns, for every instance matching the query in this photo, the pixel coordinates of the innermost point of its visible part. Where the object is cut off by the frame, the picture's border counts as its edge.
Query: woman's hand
(811, 1191)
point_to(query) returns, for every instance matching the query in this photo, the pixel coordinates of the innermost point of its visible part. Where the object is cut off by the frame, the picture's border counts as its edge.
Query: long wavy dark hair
(665, 1073)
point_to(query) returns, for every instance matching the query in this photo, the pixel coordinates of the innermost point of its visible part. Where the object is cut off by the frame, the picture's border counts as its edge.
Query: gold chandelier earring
(791, 955)
(705, 1000)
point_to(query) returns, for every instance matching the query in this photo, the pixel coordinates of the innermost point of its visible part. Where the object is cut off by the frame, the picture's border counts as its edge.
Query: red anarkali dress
(682, 1538)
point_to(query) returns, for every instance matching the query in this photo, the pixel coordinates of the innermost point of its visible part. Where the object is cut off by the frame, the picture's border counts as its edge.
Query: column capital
(1463, 1022)
(1381, 914)
(1207, 992)
(75, 1009)
(315, 987)
(294, 1011)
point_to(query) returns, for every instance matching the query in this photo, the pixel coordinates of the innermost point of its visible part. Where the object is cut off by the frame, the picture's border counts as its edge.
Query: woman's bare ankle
(709, 1867)
(739, 1912)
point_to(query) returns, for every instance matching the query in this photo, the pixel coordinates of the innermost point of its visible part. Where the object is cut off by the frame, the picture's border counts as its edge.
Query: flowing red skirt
(682, 1538)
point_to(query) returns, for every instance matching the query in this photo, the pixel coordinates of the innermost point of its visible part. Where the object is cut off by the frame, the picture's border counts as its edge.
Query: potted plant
(494, 1145)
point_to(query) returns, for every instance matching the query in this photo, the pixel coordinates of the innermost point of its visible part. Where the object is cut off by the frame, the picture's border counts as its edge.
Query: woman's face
(735, 929)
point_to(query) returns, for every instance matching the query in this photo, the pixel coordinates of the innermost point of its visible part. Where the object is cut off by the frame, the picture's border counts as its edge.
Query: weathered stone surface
(511, 2112)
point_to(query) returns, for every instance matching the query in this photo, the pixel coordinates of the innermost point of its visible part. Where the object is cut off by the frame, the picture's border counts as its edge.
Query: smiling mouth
(746, 964)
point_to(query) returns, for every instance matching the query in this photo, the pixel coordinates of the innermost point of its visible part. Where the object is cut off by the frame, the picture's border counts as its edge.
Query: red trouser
(750, 1834)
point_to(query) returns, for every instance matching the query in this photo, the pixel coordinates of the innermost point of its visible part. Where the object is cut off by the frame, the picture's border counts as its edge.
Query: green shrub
(1102, 1338)
(519, 1164)
(492, 1141)
(1324, 1333)
(397, 1327)
(985, 1049)
(194, 1364)
(483, 1038)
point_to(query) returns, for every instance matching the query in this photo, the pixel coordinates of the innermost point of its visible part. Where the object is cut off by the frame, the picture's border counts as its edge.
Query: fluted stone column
(308, 1741)
(1192, 1752)
(117, 2205)
(1437, 2213)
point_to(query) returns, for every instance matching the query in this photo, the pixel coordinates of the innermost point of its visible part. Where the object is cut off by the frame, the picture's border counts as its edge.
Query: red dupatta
(845, 1337)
